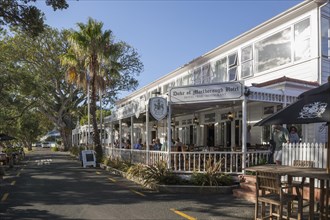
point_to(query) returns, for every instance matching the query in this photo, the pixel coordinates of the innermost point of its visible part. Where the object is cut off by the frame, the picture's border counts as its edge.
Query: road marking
(183, 214)
(113, 180)
(18, 174)
(13, 183)
(97, 172)
(4, 197)
(136, 192)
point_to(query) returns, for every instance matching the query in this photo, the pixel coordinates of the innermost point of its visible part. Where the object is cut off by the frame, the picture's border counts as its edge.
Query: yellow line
(113, 180)
(98, 172)
(136, 192)
(18, 174)
(13, 183)
(4, 197)
(183, 214)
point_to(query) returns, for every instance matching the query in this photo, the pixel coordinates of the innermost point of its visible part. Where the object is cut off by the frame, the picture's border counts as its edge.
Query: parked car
(38, 144)
(45, 145)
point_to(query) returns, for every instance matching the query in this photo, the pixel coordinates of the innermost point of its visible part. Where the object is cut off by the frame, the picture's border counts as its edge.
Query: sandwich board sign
(88, 158)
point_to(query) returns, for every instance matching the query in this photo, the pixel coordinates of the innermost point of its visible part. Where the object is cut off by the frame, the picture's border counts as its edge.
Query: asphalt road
(48, 185)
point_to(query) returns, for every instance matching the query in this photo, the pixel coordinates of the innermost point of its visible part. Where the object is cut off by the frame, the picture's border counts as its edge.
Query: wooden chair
(299, 186)
(270, 190)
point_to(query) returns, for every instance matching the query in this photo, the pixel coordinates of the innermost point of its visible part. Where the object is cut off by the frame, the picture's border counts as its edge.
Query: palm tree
(88, 58)
(94, 59)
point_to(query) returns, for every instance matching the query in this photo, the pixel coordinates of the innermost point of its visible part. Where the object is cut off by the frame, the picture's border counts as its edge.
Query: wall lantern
(195, 120)
(230, 116)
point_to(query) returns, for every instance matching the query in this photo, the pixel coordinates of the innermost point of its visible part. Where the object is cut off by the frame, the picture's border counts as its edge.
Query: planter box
(197, 189)
(177, 188)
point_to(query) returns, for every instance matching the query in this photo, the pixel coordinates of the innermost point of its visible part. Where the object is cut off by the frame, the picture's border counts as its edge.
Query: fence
(188, 162)
(316, 152)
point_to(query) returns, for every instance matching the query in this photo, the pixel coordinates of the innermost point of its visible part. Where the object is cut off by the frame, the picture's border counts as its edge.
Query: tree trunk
(96, 134)
(66, 135)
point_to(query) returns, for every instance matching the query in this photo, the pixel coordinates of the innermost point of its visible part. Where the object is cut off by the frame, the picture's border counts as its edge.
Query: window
(206, 74)
(186, 80)
(325, 29)
(220, 70)
(273, 51)
(179, 81)
(247, 62)
(232, 66)
(168, 86)
(302, 35)
(197, 76)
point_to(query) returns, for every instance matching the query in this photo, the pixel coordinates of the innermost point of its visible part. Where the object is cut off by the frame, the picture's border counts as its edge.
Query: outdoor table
(311, 173)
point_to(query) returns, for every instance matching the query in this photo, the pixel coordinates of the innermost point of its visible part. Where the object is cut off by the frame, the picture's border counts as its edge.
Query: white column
(169, 136)
(244, 130)
(132, 128)
(120, 134)
(147, 133)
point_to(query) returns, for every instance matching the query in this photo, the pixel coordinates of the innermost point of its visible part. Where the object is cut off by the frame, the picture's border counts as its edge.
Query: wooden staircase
(247, 189)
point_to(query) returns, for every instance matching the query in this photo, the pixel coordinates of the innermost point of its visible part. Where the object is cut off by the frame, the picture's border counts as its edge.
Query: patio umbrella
(4, 137)
(312, 106)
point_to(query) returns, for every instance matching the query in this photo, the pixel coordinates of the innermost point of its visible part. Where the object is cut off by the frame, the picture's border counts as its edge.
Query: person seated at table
(123, 143)
(178, 145)
(138, 145)
(157, 145)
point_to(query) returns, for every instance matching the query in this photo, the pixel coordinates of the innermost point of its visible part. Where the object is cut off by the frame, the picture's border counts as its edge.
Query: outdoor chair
(299, 185)
(270, 191)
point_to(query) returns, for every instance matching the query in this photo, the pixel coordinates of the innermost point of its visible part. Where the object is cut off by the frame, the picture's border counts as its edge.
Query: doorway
(210, 135)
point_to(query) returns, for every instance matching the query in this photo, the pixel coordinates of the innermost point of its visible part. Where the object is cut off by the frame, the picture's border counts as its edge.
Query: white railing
(188, 162)
(316, 152)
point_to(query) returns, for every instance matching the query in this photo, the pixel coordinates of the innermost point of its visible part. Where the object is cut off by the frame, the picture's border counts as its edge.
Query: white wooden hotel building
(212, 99)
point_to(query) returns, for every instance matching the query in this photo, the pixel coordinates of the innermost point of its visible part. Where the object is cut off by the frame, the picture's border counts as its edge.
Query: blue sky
(169, 34)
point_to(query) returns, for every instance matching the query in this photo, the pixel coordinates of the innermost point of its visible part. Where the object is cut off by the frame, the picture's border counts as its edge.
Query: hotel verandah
(270, 64)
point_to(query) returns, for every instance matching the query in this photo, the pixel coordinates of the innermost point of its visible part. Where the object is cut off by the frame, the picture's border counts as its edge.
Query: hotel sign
(203, 93)
(158, 107)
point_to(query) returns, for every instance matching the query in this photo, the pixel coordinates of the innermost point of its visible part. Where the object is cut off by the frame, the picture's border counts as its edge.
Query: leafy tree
(96, 61)
(27, 17)
(37, 83)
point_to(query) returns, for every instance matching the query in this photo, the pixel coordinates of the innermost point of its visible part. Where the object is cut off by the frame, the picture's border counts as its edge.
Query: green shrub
(136, 170)
(119, 164)
(75, 150)
(154, 174)
(55, 149)
(212, 176)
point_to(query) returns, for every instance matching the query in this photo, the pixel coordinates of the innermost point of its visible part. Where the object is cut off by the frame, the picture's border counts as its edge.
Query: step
(249, 179)
(245, 194)
(248, 187)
